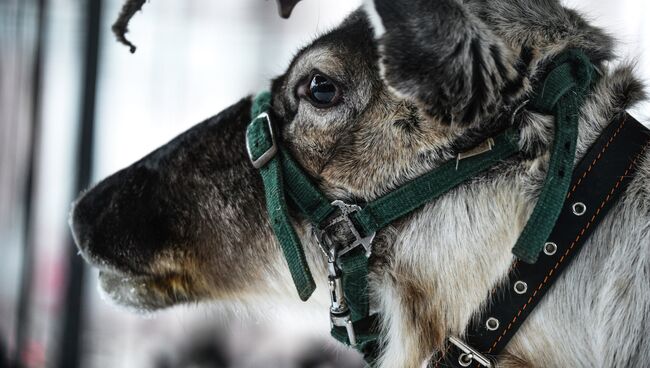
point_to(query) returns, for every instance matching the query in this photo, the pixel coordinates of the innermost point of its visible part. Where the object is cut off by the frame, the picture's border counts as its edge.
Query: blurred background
(76, 106)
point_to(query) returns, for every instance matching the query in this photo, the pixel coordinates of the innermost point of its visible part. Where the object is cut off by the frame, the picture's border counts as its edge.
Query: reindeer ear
(440, 55)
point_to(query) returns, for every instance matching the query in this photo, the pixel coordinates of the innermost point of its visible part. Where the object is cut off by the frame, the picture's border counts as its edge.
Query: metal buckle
(469, 354)
(485, 146)
(326, 243)
(271, 152)
(340, 315)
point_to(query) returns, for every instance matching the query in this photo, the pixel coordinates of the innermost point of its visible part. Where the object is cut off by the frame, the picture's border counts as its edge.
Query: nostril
(87, 211)
(81, 221)
(76, 225)
(121, 222)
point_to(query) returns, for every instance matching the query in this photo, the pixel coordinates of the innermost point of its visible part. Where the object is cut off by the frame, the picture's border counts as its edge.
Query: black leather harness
(600, 178)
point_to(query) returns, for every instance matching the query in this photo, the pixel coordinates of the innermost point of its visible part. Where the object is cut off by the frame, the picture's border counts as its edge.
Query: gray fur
(441, 77)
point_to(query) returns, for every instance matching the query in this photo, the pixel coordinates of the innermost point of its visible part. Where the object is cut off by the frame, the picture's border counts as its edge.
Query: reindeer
(399, 88)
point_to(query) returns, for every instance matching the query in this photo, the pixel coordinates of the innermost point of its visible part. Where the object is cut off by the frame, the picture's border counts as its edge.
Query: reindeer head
(361, 116)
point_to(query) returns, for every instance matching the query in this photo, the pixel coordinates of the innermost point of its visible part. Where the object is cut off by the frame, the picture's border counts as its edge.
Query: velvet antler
(285, 7)
(120, 27)
(130, 7)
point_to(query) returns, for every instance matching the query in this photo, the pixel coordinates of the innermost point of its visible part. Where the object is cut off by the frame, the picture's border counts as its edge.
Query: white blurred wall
(627, 21)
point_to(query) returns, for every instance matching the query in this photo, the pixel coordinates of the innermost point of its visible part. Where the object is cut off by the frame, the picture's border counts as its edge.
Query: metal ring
(550, 248)
(492, 324)
(465, 359)
(520, 287)
(579, 208)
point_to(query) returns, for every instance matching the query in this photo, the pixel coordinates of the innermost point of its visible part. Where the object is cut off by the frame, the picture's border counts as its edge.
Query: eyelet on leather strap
(465, 360)
(492, 324)
(579, 208)
(520, 287)
(550, 248)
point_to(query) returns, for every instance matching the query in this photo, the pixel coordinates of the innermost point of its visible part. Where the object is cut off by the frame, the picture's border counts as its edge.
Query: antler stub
(285, 7)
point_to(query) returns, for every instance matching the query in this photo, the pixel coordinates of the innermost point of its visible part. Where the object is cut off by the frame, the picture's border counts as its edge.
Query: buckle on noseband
(265, 157)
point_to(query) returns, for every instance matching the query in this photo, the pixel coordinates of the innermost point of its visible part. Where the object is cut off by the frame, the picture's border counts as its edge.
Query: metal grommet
(520, 287)
(492, 324)
(579, 208)
(550, 248)
(465, 360)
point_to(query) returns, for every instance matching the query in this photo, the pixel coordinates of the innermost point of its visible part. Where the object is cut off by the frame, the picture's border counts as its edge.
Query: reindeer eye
(322, 91)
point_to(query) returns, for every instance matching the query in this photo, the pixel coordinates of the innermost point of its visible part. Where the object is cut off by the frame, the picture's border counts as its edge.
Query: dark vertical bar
(27, 268)
(69, 356)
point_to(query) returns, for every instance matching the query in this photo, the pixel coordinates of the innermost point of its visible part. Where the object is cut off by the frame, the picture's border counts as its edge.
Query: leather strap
(598, 181)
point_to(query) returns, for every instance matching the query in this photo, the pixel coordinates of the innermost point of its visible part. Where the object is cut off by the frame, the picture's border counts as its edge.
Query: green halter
(561, 94)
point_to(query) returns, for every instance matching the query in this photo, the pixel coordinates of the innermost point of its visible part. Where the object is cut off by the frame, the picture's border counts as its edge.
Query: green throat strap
(404, 200)
(286, 185)
(561, 95)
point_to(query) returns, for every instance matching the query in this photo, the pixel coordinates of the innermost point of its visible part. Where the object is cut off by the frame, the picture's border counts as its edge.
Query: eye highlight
(320, 91)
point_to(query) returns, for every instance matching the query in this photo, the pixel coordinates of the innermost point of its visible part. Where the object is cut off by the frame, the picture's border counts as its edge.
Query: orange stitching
(591, 166)
(570, 247)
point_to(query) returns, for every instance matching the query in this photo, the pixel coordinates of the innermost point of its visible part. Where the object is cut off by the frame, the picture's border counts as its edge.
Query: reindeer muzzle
(131, 219)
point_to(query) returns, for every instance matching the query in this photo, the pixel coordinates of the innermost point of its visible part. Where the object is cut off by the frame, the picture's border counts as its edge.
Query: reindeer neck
(446, 259)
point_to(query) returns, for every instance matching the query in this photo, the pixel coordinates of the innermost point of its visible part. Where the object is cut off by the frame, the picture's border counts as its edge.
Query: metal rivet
(465, 360)
(579, 208)
(550, 248)
(520, 287)
(492, 324)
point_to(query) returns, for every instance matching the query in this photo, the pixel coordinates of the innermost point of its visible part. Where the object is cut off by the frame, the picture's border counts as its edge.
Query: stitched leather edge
(593, 163)
(570, 249)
